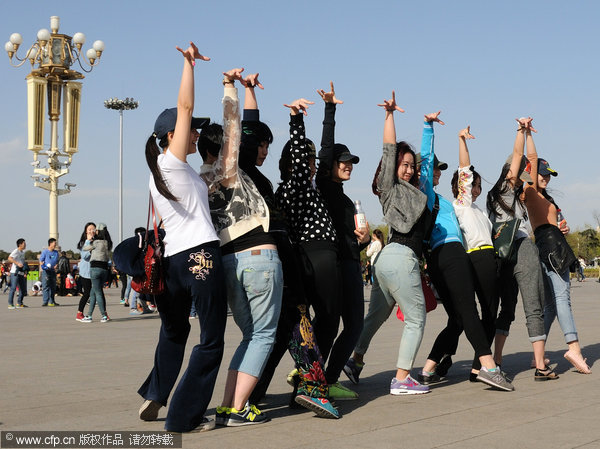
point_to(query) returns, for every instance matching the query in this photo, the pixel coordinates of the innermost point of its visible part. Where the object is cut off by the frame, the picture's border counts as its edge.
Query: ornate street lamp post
(51, 57)
(121, 105)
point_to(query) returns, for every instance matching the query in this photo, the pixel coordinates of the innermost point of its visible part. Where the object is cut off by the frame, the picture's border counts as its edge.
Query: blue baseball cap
(544, 168)
(167, 119)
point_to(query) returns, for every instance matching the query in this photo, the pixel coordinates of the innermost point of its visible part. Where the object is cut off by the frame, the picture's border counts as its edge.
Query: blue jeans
(558, 303)
(127, 288)
(48, 286)
(98, 277)
(254, 288)
(17, 280)
(397, 280)
(131, 295)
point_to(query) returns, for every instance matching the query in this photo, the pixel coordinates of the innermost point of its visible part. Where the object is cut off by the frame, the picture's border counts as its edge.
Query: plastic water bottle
(560, 218)
(360, 221)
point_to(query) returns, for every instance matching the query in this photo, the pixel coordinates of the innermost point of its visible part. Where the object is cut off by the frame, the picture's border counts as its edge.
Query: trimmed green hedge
(589, 273)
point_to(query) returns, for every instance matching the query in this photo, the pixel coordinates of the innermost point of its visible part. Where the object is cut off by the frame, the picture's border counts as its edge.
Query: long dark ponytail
(494, 196)
(152, 153)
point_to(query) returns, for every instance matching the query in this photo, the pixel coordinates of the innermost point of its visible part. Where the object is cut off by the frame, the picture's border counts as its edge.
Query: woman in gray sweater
(397, 277)
(100, 249)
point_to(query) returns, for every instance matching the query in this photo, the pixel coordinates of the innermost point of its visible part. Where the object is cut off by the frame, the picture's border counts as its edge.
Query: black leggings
(86, 285)
(353, 315)
(509, 292)
(123, 278)
(485, 270)
(452, 275)
(322, 274)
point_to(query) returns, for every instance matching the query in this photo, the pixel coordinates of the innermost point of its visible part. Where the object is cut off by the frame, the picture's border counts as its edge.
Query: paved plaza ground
(60, 374)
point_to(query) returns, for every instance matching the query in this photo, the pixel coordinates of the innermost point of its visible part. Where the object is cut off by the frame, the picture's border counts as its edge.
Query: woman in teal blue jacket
(450, 271)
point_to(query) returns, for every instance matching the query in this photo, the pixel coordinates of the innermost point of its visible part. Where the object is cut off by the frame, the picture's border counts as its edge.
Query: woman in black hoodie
(335, 167)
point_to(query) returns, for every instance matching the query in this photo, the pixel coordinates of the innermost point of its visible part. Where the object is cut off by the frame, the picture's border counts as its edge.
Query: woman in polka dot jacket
(311, 228)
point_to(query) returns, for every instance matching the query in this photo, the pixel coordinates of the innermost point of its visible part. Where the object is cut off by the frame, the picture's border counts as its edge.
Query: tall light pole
(51, 57)
(121, 105)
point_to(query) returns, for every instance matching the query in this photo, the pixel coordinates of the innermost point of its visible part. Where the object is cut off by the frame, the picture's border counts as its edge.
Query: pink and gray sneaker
(407, 386)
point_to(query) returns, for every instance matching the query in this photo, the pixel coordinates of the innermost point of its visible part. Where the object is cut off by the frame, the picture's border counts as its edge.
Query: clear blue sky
(481, 63)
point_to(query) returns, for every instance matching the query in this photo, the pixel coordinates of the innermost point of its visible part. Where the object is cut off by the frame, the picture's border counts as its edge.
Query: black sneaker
(352, 369)
(249, 415)
(426, 378)
(442, 368)
(222, 416)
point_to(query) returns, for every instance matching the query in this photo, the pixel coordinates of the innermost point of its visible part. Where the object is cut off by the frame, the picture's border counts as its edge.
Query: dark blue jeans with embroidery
(194, 275)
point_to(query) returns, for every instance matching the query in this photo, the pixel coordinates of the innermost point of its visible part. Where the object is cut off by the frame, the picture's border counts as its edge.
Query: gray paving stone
(59, 374)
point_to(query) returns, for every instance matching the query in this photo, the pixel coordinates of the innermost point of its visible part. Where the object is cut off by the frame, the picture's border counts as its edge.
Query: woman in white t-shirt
(193, 269)
(375, 246)
(476, 228)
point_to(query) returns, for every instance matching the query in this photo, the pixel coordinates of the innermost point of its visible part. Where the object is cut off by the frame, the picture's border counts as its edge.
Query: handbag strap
(434, 214)
(151, 209)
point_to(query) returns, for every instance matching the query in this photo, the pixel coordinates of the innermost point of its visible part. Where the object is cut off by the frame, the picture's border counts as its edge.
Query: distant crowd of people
(57, 276)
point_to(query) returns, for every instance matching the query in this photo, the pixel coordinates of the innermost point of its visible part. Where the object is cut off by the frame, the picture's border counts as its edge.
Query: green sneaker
(291, 376)
(337, 392)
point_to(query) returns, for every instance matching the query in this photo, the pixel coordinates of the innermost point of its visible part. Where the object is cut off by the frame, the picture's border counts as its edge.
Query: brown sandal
(578, 362)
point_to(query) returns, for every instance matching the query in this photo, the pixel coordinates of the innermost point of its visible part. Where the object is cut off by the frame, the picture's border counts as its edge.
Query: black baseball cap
(341, 153)
(168, 118)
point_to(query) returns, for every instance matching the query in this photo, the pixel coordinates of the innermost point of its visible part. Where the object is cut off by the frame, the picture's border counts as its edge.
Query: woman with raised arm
(335, 167)
(477, 236)
(311, 228)
(254, 148)
(504, 203)
(251, 263)
(193, 268)
(313, 236)
(450, 271)
(555, 253)
(397, 276)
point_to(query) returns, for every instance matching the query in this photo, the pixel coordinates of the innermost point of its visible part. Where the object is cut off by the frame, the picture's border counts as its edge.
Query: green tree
(585, 243)
(32, 255)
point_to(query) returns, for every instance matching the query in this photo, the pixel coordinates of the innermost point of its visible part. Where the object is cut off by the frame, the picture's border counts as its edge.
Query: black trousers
(322, 274)
(509, 292)
(352, 314)
(86, 285)
(450, 270)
